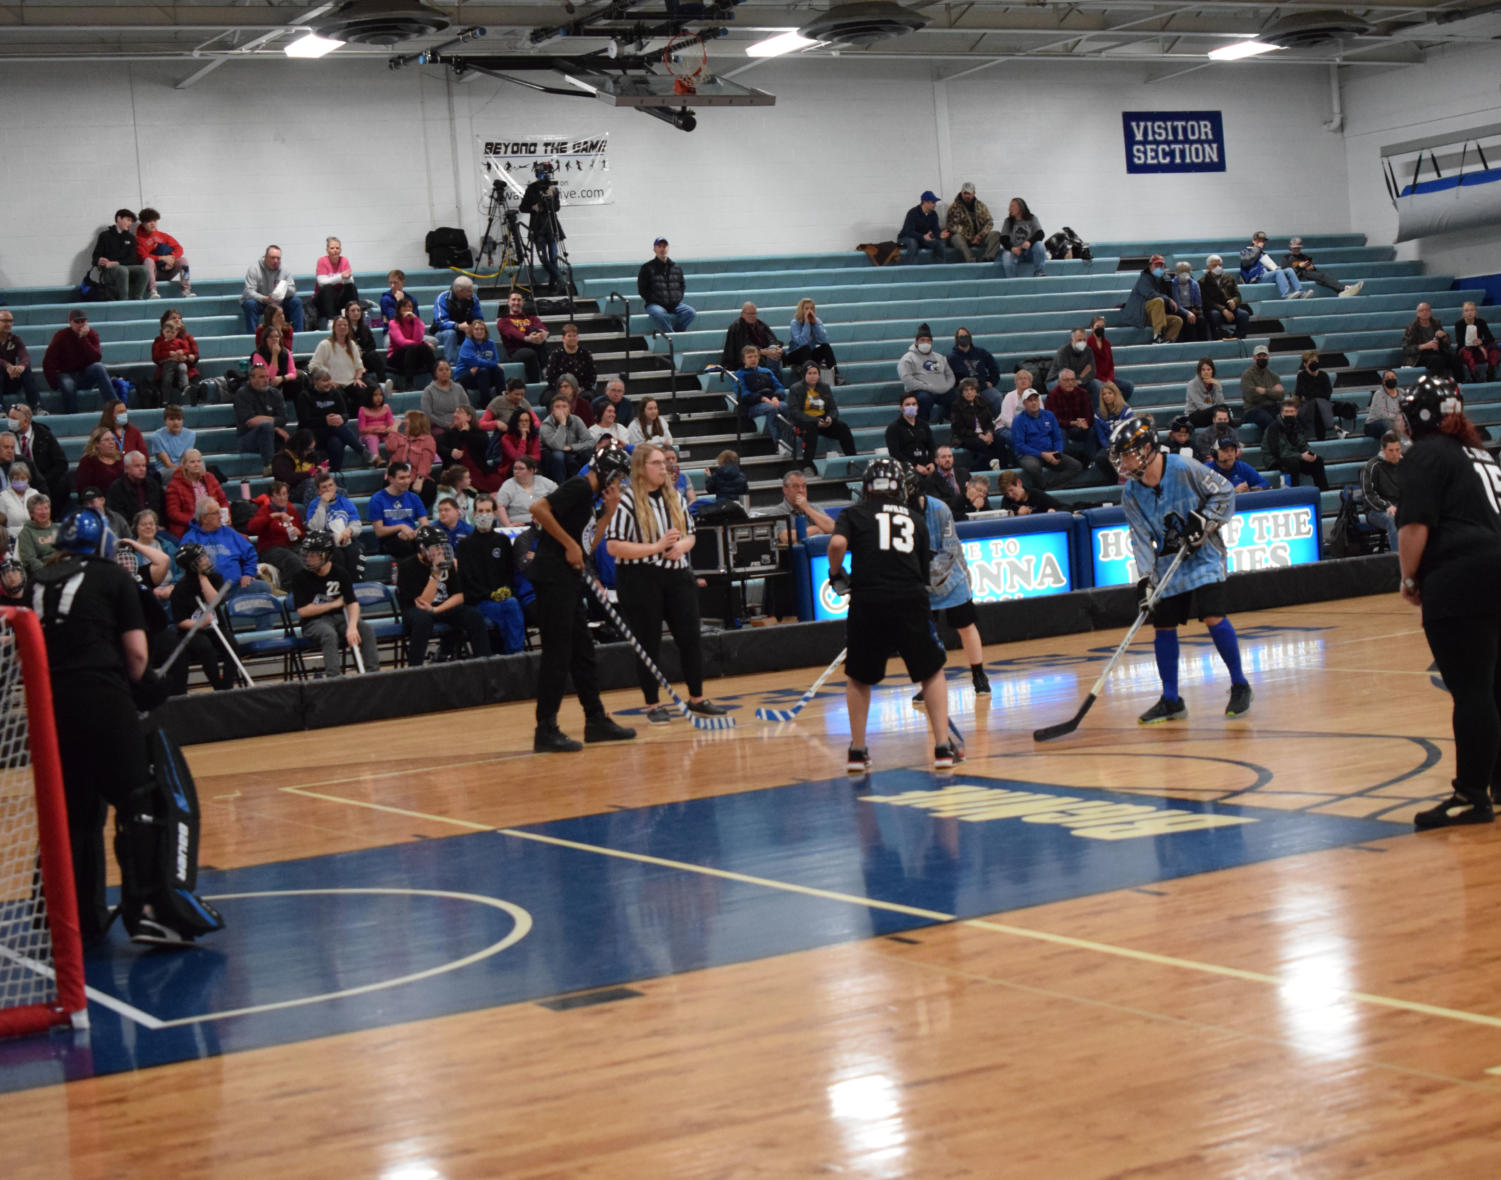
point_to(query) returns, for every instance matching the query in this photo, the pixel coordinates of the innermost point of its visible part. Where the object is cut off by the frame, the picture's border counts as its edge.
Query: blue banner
(1174, 141)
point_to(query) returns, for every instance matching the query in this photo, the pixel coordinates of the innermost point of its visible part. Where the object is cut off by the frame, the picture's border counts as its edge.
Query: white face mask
(925, 346)
(1216, 270)
(1080, 346)
(484, 521)
(909, 413)
(121, 418)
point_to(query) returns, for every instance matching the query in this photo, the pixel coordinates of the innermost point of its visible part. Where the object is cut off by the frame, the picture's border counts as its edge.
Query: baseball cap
(1261, 350)
(967, 187)
(929, 195)
(77, 316)
(1030, 394)
(659, 242)
(1227, 440)
(90, 494)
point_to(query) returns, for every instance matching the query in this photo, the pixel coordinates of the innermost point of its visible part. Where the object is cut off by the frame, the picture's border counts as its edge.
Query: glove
(500, 594)
(1143, 593)
(149, 691)
(1195, 530)
(839, 582)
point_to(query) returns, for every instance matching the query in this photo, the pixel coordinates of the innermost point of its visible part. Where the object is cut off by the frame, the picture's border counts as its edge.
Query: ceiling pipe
(1336, 103)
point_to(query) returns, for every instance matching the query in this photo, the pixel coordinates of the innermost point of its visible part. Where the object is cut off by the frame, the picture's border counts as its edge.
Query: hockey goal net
(41, 958)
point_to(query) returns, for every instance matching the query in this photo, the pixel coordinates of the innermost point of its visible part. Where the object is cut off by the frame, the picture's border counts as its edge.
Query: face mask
(484, 521)
(925, 347)
(1390, 383)
(18, 486)
(1157, 272)
(962, 342)
(1261, 362)
(1217, 270)
(909, 413)
(1079, 346)
(1313, 368)
(121, 418)
(1100, 332)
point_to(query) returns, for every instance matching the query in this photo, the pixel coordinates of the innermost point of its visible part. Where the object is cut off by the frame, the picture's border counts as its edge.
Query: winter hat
(924, 330)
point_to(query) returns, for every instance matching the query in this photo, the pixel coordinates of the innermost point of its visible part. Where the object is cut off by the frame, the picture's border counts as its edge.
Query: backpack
(1351, 535)
(92, 290)
(881, 253)
(1067, 244)
(448, 247)
(241, 512)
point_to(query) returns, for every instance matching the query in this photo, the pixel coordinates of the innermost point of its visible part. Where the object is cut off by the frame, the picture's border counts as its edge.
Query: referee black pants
(567, 647)
(649, 596)
(1468, 654)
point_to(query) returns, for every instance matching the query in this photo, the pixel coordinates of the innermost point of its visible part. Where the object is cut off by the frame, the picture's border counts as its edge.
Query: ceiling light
(780, 44)
(1239, 49)
(312, 45)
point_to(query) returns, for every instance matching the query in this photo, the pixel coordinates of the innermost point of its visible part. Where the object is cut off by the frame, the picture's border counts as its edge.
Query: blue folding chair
(259, 628)
(378, 608)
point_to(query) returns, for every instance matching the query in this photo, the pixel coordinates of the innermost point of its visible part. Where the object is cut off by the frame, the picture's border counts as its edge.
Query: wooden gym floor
(1213, 948)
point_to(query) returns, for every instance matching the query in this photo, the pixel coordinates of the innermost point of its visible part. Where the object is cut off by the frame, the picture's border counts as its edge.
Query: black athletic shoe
(554, 741)
(146, 929)
(1163, 710)
(603, 728)
(982, 683)
(1495, 796)
(1455, 810)
(660, 714)
(707, 708)
(944, 757)
(917, 701)
(1240, 700)
(857, 761)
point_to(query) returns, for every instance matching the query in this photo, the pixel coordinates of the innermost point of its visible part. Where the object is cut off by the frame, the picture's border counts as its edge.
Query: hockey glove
(1143, 593)
(839, 582)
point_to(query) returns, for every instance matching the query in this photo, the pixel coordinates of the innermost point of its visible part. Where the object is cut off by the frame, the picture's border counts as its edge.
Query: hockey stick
(613, 615)
(199, 621)
(791, 714)
(1048, 732)
(359, 656)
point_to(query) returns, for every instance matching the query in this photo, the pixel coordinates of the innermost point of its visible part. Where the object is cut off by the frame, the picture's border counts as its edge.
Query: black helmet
(911, 485)
(1430, 400)
(189, 555)
(318, 541)
(885, 478)
(429, 535)
(1181, 422)
(1135, 436)
(612, 462)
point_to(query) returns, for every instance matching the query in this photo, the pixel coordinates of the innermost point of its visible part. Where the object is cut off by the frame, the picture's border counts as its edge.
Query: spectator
(275, 355)
(333, 284)
(451, 521)
(910, 438)
(1223, 305)
(1226, 461)
(749, 331)
(1302, 266)
(427, 587)
(1011, 404)
(1478, 354)
(1261, 390)
(1111, 411)
(920, 230)
(268, 285)
(678, 479)
(760, 390)
(161, 255)
(115, 417)
(971, 228)
(456, 484)
(488, 576)
(1074, 354)
(582, 407)
(523, 489)
(101, 463)
(1150, 303)
(1256, 265)
(38, 539)
(147, 527)
(625, 410)
(807, 517)
(137, 489)
(1286, 447)
(324, 598)
(442, 396)
(977, 495)
(968, 359)
(1426, 343)
(479, 364)
(13, 465)
(189, 484)
(395, 513)
(277, 527)
(1180, 441)
(1070, 404)
(39, 447)
(372, 356)
(725, 481)
(1189, 297)
(810, 340)
(928, 376)
(521, 437)
(15, 499)
(947, 481)
(297, 465)
(176, 357)
(196, 588)
(407, 349)
(1207, 439)
(118, 263)
(15, 363)
(815, 415)
(571, 358)
(1022, 500)
(94, 498)
(1104, 358)
(650, 426)
(1383, 414)
(260, 417)
(276, 319)
(375, 422)
(522, 336)
(1021, 237)
(661, 285)
(73, 358)
(607, 425)
(1205, 393)
(453, 311)
(234, 556)
(466, 444)
(974, 428)
(341, 356)
(1379, 482)
(323, 411)
(1315, 393)
(565, 440)
(330, 510)
(1037, 440)
(416, 446)
(390, 300)
(499, 412)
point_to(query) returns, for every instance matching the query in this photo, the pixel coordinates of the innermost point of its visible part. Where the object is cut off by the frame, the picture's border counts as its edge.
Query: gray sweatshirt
(572, 433)
(259, 280)
(439, 404)
(924, 371)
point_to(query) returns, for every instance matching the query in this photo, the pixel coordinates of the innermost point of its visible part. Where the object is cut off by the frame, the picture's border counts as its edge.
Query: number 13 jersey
(888, 546)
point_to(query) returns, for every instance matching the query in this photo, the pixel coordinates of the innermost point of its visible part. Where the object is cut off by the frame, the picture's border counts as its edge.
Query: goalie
(96, 648)
(1171, 503)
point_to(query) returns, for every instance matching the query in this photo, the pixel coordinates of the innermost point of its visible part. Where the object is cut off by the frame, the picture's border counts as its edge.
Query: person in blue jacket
(968, 359)
(1228, 464)
(761, 391)
(1151, 302)
(234, 556)
(479, 364)
(921, 232)
(452, 313)
(1037, 440)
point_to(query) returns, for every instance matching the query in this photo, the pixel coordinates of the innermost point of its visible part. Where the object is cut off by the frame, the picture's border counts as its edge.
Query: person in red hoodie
(1104, 359)
(73, 358)
(522, 335)
(191, 484)
(160, 253)
(176, 356)
(276, 528)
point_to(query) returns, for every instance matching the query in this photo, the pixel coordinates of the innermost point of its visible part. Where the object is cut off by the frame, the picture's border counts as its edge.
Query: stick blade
(713, 722)
(1048, 732)
(774, 715)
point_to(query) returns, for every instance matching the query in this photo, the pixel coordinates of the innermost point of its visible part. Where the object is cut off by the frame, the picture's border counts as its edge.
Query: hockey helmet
(1430, 400)
(1132, 444)
(85, 532)
(885, 478)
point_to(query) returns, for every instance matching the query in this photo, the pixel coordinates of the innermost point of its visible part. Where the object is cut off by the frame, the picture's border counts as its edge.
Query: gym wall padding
(466, 684)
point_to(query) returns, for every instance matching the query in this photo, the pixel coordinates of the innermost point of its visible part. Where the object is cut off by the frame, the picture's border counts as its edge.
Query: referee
(650, 537)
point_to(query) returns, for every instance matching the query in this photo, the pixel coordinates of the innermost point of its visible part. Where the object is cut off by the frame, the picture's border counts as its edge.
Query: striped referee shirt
(625, 527)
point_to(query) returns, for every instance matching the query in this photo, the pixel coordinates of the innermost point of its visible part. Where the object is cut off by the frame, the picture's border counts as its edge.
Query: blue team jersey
(1185, 487)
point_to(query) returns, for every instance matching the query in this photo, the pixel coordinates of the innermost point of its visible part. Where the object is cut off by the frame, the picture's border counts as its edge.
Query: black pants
(649, 596)
(529, 357)
(411, 359)
(1294, 468)
(798, 357)
(567, 647)
(104, 762)
(420, 624)
(332, 299)
(836, 430)
(1466, 650)
(375, 366)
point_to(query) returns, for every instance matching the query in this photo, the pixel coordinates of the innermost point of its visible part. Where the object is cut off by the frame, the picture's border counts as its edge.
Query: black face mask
(1313, 368)
(1261, 362)
(962, 341)
(1100, 332)
(1390, 383)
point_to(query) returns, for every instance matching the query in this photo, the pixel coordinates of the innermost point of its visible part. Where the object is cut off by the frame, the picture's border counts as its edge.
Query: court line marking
(102, 998)
(437, 819)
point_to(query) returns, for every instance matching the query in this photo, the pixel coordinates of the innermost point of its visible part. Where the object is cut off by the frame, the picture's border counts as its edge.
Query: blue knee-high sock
(1165, 643)
(1228, 646)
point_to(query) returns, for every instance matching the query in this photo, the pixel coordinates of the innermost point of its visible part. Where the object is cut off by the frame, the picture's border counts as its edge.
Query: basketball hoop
(677, 57)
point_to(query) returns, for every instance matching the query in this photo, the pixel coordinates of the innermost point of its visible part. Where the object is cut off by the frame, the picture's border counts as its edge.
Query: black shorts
(876, 629)
(958, 616)
(1201, 602)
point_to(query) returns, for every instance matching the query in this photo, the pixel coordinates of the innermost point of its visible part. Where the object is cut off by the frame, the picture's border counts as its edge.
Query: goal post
(41, 952)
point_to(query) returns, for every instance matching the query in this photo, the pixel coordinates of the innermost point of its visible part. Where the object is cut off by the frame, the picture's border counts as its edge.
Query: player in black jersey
(1449, 541)
(888, 589)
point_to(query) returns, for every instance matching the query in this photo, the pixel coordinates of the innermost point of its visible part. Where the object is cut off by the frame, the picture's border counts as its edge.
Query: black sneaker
(604, 728)
(660, 714)
(982, 683)
(1455, 810)
(1163, 710)
(857, 761)
(944, 757)
(1240, 700)
(554, 741)
(917, 701)
(707, 708)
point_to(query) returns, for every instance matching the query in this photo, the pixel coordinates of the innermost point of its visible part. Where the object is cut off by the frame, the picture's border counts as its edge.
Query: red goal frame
(71, 1005)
